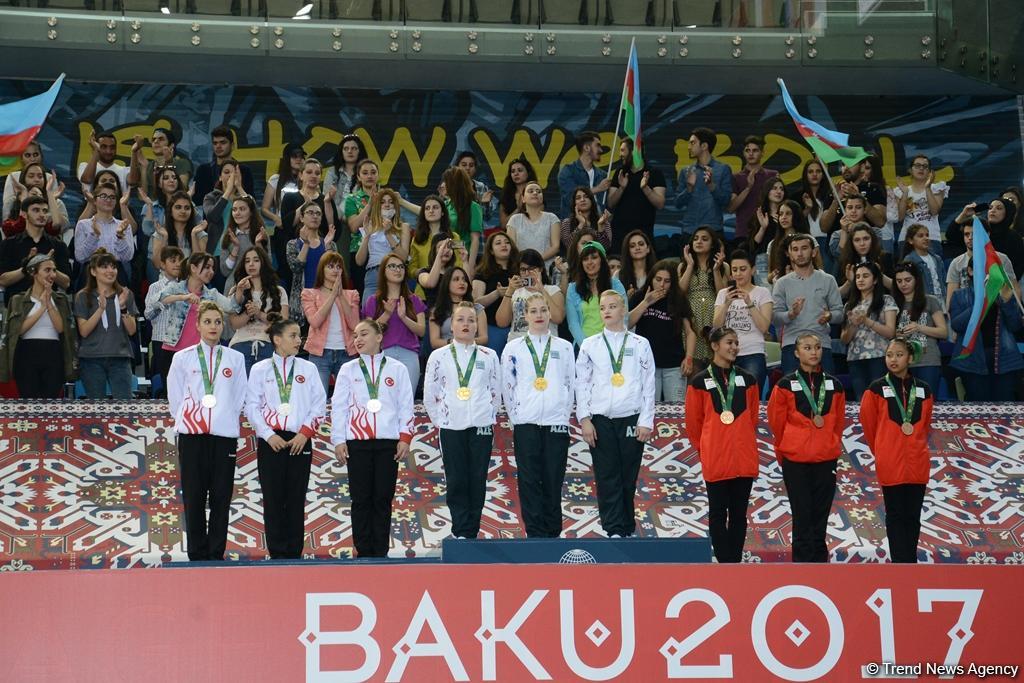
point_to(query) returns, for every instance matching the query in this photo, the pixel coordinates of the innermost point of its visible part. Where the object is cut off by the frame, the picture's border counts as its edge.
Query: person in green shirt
(466, 215)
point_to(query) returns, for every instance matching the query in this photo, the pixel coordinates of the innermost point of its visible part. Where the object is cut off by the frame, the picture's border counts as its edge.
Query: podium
(576, 551)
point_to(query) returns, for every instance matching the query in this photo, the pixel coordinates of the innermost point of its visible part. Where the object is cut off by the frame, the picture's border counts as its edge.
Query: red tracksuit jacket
(726, 451)
(899, 458)
(791, 418)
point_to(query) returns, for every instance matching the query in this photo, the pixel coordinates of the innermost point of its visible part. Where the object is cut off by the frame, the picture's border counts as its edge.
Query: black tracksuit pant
(811, 486)
(372, 475)
(727, 516)
(541, 455)
(466, 454)
(207, 474)
(284, 480)
(903, 504)
(617, 457)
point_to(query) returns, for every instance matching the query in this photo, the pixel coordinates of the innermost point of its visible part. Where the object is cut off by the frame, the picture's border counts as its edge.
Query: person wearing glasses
(104, 231)
(401, 314)
(532, 279)
(921, 201)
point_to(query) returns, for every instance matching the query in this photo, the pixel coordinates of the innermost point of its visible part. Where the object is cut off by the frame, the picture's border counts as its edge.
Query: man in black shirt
(207, 175)
(14, 250)
(857, 181)
(634, 197)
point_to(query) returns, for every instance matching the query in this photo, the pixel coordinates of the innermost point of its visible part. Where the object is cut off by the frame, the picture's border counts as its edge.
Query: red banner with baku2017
(435, 622)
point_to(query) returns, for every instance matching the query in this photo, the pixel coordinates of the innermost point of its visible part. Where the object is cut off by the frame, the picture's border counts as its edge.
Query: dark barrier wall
(974, 142)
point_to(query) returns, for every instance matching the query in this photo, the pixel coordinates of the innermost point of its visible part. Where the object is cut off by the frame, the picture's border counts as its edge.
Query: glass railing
(664, 14)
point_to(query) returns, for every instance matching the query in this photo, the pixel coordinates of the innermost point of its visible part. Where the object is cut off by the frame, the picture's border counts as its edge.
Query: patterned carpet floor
(87, 485)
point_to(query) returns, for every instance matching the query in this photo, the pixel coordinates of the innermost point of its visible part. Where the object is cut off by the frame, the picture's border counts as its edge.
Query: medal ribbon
(284, 390)
(463, 378)
(616, 362)
(539, 366)
(207, 380)
(726, 399)
(818, 406)
(906, 407)
(373, 387)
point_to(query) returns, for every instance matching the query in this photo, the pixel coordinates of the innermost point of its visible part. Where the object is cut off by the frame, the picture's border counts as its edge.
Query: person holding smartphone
(745, 308)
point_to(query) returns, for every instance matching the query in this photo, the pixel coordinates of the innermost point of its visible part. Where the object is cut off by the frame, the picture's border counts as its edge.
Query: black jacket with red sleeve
(726, 451)
(791, 418)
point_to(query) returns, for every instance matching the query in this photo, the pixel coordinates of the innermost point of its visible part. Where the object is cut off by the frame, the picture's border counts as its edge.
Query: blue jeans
(790, 363)
(756, 365)
(254, 351)
(410, 359)
(669, 385)
(827, 260)
(97, 373)
(497, 337)
(863, 373)
(329, 364)
(370, 283)
(931, 375)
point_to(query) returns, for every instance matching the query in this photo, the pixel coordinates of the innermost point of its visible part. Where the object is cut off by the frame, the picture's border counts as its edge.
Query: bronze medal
(819, 421)
(727, 417)
(907, 428)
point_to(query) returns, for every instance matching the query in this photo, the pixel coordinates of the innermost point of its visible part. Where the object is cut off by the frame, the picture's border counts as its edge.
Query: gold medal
(540, 384)
(464, 393)
(907, 428)
(727, 417)
(618, 379)
(819, 421)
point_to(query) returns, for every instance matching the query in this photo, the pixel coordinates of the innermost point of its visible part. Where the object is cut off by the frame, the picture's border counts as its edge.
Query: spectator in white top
(534, 228)
(288, 169)
(104, 158)
(922, 201)
(32, 155)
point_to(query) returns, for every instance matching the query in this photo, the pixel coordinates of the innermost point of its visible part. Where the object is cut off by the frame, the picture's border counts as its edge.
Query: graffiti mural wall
(974, 142)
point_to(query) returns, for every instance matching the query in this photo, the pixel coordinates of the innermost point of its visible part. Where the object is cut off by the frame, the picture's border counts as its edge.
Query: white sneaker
(615, 536)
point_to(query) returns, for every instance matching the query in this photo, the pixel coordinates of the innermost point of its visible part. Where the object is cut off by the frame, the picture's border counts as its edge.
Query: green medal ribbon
(463, 378)
(207, 379)
(819, 405)
(284, 390)
(726, 398)
(540, 366)
(373, 388)
(907, 410)
(616, 362)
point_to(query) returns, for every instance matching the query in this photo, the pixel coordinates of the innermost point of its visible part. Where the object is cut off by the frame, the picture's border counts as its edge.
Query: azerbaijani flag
(21, 121)
(829, 145)
(631, 106)
(989, 278)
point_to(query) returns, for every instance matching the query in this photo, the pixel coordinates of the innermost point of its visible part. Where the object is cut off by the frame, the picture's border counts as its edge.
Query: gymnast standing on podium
(371, 429)
(539, 377)
(896, 415)
(206, 391)
(462, 395)
(721, 423)
(285, 404)
(807, 414)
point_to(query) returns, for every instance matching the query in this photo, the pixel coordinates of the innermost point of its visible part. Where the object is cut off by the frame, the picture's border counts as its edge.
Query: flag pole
(622, 102)
(832, 186)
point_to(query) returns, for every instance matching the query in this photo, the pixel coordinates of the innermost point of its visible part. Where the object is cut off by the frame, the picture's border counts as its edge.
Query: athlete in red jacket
(896, 415)
(721, 421)
(807, 413)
